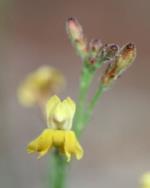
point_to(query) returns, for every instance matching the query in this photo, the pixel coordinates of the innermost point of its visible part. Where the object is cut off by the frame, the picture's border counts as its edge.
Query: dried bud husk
(125, 58)
(95, 46)
(100, 53)
(109, 51)
(75, 33)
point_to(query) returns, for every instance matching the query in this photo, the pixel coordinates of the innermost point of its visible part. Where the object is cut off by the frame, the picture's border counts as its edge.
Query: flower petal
(42, 144)
(72, 146)
(70, 110)
(60, 113)
(50, 107)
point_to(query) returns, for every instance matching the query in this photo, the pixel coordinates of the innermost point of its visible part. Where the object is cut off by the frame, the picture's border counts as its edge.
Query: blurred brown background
(117, 142)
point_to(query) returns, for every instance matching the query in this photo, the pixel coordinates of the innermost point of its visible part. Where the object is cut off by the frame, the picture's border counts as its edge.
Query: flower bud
(94, 49)
(126, 57)
(110, 51)
(75, 33)
(74, 29)
(95, 45)
(123, 61)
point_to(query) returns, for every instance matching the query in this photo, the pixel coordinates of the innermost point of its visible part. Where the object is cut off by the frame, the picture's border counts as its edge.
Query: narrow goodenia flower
(39, 85)
(58, 134)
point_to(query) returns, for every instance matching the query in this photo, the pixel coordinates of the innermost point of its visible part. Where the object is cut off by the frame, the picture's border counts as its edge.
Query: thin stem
(86, 78)
(96, 97)
(81, 114)
(59, 171)
(91, 107)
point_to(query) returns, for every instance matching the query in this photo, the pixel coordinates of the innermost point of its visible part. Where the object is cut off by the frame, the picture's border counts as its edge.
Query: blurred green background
(117, 141)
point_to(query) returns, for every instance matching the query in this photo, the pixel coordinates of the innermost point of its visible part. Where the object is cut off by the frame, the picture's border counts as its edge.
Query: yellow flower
(145, 180)
(39, 85)
(59, 118)
(64, 140)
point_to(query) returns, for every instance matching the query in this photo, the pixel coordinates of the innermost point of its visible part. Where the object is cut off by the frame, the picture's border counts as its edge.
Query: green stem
(93, 103)
(81, 113)
(86, 78)
(59, 171)
(96, 97)
(90, 108)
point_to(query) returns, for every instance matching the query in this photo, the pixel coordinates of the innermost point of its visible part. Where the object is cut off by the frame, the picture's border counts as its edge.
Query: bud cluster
(95, 53)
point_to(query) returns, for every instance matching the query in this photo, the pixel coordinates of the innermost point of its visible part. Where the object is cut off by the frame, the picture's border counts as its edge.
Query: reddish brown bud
(110, 51)
(126, 56)
(128, 51)
(123, 61)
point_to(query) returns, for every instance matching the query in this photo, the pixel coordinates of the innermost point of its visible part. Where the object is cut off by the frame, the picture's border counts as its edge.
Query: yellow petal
(60, 113)
(52, 102)
(50, 107)
(42, 143)
(70, 110)
(72, 146)
(71, 104)
(58, 138)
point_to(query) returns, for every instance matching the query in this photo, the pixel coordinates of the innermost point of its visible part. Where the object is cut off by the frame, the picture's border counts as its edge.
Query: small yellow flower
(145, 180)
(59, 118)
(39, 85)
